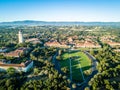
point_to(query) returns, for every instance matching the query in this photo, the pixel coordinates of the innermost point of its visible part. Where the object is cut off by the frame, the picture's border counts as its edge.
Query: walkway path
(94, 61)
(56, 63)
(94, 70)
(81, 71)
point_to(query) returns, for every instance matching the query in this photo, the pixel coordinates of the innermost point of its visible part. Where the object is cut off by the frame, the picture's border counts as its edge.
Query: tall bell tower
(20, 37)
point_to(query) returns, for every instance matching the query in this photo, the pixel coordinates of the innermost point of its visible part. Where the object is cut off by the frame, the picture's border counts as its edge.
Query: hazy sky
(60, 10)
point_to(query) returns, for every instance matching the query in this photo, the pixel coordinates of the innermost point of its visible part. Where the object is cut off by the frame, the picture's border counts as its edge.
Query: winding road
(94, 70)
(56, 63)
(85, 83)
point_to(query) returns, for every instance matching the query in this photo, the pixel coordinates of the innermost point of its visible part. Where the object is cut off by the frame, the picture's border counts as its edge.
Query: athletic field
(79, 63)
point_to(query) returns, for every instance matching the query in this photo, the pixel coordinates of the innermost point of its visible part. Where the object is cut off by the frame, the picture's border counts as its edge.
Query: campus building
(17, 52)
(24, 66)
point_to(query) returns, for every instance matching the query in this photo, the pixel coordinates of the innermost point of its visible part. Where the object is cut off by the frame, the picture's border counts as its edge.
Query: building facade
(25, 67)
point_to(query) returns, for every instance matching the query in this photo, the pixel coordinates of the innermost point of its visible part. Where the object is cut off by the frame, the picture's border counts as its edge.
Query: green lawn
(76, 74)
(76, 57)
(65, 61)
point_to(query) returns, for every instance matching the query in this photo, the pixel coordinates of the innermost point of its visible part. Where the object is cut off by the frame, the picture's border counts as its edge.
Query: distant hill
(32, 22)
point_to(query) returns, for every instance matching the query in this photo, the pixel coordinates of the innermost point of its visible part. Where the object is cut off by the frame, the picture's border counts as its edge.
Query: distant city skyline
(60, 10)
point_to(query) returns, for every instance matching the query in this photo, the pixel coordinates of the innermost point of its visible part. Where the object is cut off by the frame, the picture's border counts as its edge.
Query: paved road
(57, 67)
(94, 61)
(94, 70)
(56, 63)
(85, 83)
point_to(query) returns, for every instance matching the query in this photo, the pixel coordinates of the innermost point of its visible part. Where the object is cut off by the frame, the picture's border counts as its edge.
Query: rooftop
(23, 64)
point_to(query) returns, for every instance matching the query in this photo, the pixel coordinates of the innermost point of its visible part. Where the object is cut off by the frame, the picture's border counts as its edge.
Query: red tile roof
(16, 53)
(16, 65)
(113, 43)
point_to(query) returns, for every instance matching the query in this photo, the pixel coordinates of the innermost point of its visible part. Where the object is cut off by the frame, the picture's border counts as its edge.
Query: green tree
(36, 71)
(11, 71)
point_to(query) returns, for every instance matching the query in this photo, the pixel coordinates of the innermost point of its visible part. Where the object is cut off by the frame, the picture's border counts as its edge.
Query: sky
(60, 10)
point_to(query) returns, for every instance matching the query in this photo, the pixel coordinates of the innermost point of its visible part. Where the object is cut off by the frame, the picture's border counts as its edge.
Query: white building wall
(28, 67)
(3, 50)
(24, 69)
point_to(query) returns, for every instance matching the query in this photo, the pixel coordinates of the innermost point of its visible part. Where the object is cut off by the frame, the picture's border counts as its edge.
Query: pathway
(94, 70)
(56, 63)
(81, 71)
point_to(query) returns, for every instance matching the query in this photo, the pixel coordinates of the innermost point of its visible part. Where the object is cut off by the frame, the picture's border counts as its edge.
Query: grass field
(77, 58)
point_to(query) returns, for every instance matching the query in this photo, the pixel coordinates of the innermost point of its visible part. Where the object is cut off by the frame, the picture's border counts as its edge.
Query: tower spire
(20, 37)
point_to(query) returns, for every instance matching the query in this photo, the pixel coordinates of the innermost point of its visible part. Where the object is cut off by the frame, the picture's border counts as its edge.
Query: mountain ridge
(34, 22)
